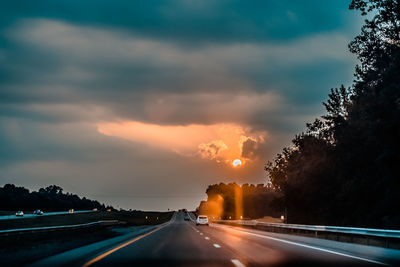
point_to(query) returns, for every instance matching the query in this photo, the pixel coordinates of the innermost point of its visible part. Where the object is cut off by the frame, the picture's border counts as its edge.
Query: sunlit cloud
(219, 142)
(212, 150)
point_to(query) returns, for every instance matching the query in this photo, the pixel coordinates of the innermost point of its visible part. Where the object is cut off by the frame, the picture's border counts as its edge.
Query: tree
(378, 42)
(52, 189)
(344, 169)
(255, 201)
(50, 198)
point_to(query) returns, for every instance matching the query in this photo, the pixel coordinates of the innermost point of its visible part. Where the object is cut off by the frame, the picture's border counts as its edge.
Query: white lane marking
(201, 233)
(206, 238)
(306, 246)
(216, 245)
(237, 263)
(190, 217)
(194, 229)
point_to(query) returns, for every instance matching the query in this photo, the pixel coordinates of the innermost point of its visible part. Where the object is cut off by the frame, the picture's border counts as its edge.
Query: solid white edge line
(216, 245)
(306, 246)
(237, 263)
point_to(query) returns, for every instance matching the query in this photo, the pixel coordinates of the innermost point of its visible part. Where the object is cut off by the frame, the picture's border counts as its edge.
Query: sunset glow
(219, 142)
(237, 163)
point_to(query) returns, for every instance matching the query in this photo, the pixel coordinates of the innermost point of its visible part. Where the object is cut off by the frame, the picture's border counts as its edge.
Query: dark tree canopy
(253, 201)
(344, 169)
(51, 198)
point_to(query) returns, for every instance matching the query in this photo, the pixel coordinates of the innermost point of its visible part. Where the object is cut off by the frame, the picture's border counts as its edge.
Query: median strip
(105, 254)
(49, 228)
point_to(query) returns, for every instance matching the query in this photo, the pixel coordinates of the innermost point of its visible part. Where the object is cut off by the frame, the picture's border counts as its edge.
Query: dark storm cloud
(250, 149)
(192, 21)
(67, 65)
(132, 77)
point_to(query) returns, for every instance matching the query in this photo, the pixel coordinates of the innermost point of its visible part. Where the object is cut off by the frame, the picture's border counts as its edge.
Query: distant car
(202, 220)
(71, 211)
(19, 213)
(108, 210)
(94, 209)
(38, 212)
(186, 217)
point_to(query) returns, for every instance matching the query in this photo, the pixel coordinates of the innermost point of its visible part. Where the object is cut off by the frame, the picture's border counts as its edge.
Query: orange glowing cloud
(222, 142)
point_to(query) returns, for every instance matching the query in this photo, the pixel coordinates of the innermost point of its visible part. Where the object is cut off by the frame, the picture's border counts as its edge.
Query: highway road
(182, 243)
(31, 215)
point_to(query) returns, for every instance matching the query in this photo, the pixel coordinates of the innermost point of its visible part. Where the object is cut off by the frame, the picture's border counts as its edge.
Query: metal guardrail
(369, 236)
(32, 215)
(322, 228)
(58, 227)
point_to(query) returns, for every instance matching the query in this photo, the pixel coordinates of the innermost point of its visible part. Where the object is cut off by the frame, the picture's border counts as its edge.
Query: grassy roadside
(21, 249)
(269, 219)
(7, 212)
(130, 217)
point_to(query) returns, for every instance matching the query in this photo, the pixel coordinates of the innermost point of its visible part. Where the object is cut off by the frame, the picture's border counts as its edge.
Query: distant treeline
(232, 201)
(51, 198)
(345, 168)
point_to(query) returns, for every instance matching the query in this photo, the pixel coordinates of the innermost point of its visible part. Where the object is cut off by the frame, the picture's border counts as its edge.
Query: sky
(143, 104)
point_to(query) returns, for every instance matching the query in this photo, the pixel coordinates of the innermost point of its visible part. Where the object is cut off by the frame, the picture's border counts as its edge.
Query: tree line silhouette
(255, 200)
(344, 169)
(51, 198)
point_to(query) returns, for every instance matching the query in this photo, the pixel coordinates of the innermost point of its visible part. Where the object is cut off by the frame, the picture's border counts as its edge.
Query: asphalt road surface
(182, 243)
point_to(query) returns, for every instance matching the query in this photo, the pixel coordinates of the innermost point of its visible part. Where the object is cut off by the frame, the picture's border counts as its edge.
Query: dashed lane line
(237, 263)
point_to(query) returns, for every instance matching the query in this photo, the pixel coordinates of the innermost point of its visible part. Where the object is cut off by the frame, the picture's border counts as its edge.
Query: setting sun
(237, 162)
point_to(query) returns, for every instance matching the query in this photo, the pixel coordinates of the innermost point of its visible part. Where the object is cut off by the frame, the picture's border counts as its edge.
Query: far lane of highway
(31, 215)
